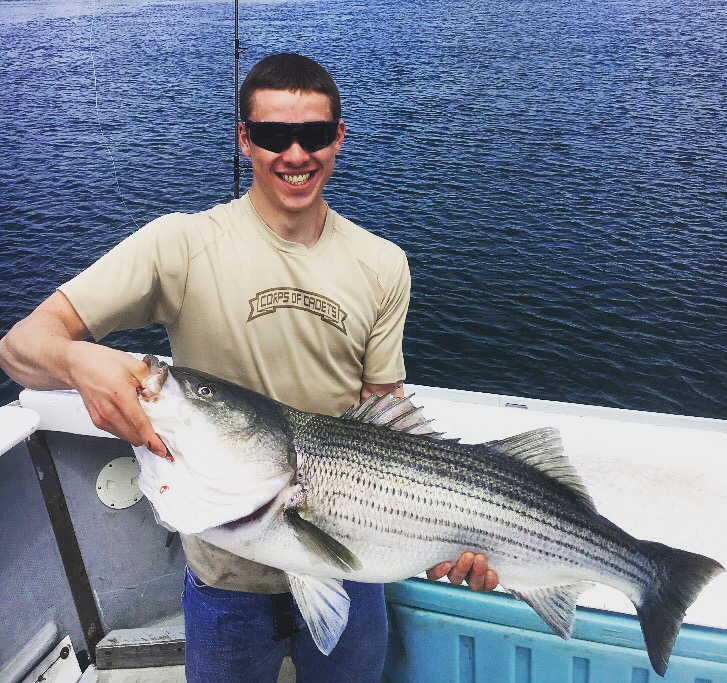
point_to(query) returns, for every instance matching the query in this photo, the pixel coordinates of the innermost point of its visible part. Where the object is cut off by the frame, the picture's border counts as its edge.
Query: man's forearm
(34, 353)
(380, 389)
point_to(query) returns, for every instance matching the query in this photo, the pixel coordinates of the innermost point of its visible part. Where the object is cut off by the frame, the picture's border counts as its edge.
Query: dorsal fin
(393, 412)
(542, 448)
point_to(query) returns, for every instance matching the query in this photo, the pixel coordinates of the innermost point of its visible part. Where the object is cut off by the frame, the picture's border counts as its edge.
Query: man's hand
(470, 567)
(108, 381)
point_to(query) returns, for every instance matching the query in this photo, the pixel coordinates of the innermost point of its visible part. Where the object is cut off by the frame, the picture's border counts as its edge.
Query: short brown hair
(288, 71)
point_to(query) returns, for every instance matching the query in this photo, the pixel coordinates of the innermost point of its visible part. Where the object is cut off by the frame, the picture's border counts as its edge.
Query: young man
(274, 291)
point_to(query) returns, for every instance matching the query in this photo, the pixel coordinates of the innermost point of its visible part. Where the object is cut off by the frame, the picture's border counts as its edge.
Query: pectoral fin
(324, 604)
(556, 605)
(322, 544)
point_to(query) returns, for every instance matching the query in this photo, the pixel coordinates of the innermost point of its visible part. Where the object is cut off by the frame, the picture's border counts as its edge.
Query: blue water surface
(554, 169)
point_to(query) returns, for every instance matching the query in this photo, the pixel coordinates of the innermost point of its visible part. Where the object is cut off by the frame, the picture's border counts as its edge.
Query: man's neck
(304, 227)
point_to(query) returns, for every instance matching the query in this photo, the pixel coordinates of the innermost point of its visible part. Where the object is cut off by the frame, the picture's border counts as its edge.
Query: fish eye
(205, 391)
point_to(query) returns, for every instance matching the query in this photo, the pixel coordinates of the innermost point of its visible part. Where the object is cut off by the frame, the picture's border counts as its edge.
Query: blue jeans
(229, 638)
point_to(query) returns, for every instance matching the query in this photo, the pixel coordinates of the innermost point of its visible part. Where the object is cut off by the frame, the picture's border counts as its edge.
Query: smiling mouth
(299, 179)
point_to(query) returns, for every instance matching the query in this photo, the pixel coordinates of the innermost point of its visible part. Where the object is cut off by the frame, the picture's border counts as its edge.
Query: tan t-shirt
(305, 326)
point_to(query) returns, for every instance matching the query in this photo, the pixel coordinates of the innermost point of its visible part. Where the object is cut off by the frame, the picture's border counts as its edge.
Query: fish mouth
(152, 384)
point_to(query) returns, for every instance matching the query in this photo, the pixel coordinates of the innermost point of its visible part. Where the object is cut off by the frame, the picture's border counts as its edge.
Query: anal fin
(324, 604)
(555, 605)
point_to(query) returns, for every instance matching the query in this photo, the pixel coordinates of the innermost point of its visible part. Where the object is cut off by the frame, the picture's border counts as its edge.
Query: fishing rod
(236, 161)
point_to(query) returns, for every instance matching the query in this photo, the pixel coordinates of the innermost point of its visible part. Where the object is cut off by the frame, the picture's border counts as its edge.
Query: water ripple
(555, 171)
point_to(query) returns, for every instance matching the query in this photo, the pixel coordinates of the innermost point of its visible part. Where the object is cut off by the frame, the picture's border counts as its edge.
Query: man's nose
(295, 153)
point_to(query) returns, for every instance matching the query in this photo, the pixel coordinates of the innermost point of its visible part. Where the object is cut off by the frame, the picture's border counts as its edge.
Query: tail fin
(680, 577)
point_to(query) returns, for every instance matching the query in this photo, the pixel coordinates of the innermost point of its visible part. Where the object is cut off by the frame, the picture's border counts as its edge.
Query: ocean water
(554, 169)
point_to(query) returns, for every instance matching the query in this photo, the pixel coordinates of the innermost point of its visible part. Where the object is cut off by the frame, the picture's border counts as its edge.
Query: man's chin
(302, 197)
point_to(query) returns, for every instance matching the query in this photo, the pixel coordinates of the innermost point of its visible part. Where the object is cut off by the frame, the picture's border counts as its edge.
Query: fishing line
(236, 157)
(98, 118)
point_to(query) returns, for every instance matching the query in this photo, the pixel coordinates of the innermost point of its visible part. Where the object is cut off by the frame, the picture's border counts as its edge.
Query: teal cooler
(441, 633)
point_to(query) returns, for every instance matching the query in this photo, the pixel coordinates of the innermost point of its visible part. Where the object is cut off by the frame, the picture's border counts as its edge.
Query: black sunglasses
(276, 137)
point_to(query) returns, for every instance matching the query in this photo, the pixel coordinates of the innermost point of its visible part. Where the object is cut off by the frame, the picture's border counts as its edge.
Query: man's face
(291, 181)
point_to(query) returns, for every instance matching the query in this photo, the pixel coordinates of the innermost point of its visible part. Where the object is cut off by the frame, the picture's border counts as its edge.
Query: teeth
(296, 179)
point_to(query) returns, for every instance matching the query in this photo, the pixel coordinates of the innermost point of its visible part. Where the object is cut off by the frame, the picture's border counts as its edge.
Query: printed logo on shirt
(270, 300)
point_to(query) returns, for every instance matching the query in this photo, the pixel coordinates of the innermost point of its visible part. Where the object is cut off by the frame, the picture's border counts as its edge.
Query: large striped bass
(376, 496)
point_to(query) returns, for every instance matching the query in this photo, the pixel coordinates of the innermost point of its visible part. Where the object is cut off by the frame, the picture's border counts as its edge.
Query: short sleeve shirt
(305, 326)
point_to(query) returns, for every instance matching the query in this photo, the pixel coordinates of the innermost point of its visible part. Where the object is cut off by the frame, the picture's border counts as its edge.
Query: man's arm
(47, 350)
(470, 567)
(380, 389)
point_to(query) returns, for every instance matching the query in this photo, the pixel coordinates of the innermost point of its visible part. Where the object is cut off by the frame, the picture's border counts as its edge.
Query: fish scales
(374, 496)
(503, 499)
(334, 448)
(601, 544)
(361, 446)
(367, 454)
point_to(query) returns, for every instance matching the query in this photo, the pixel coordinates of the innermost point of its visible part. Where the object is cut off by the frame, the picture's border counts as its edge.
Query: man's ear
(340, 133)
(243, 140)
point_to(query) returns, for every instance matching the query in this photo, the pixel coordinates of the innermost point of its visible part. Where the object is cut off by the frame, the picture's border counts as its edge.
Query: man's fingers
(461, 568)
(152, 441)
(139, 420)
(121, 414)
(108, 381)
(438, 571)
(481, 577)
(470, 567)
(111, 418)
(478, 573)
(491, 580)
(148, 437)
(473, 568)
(138, 433)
